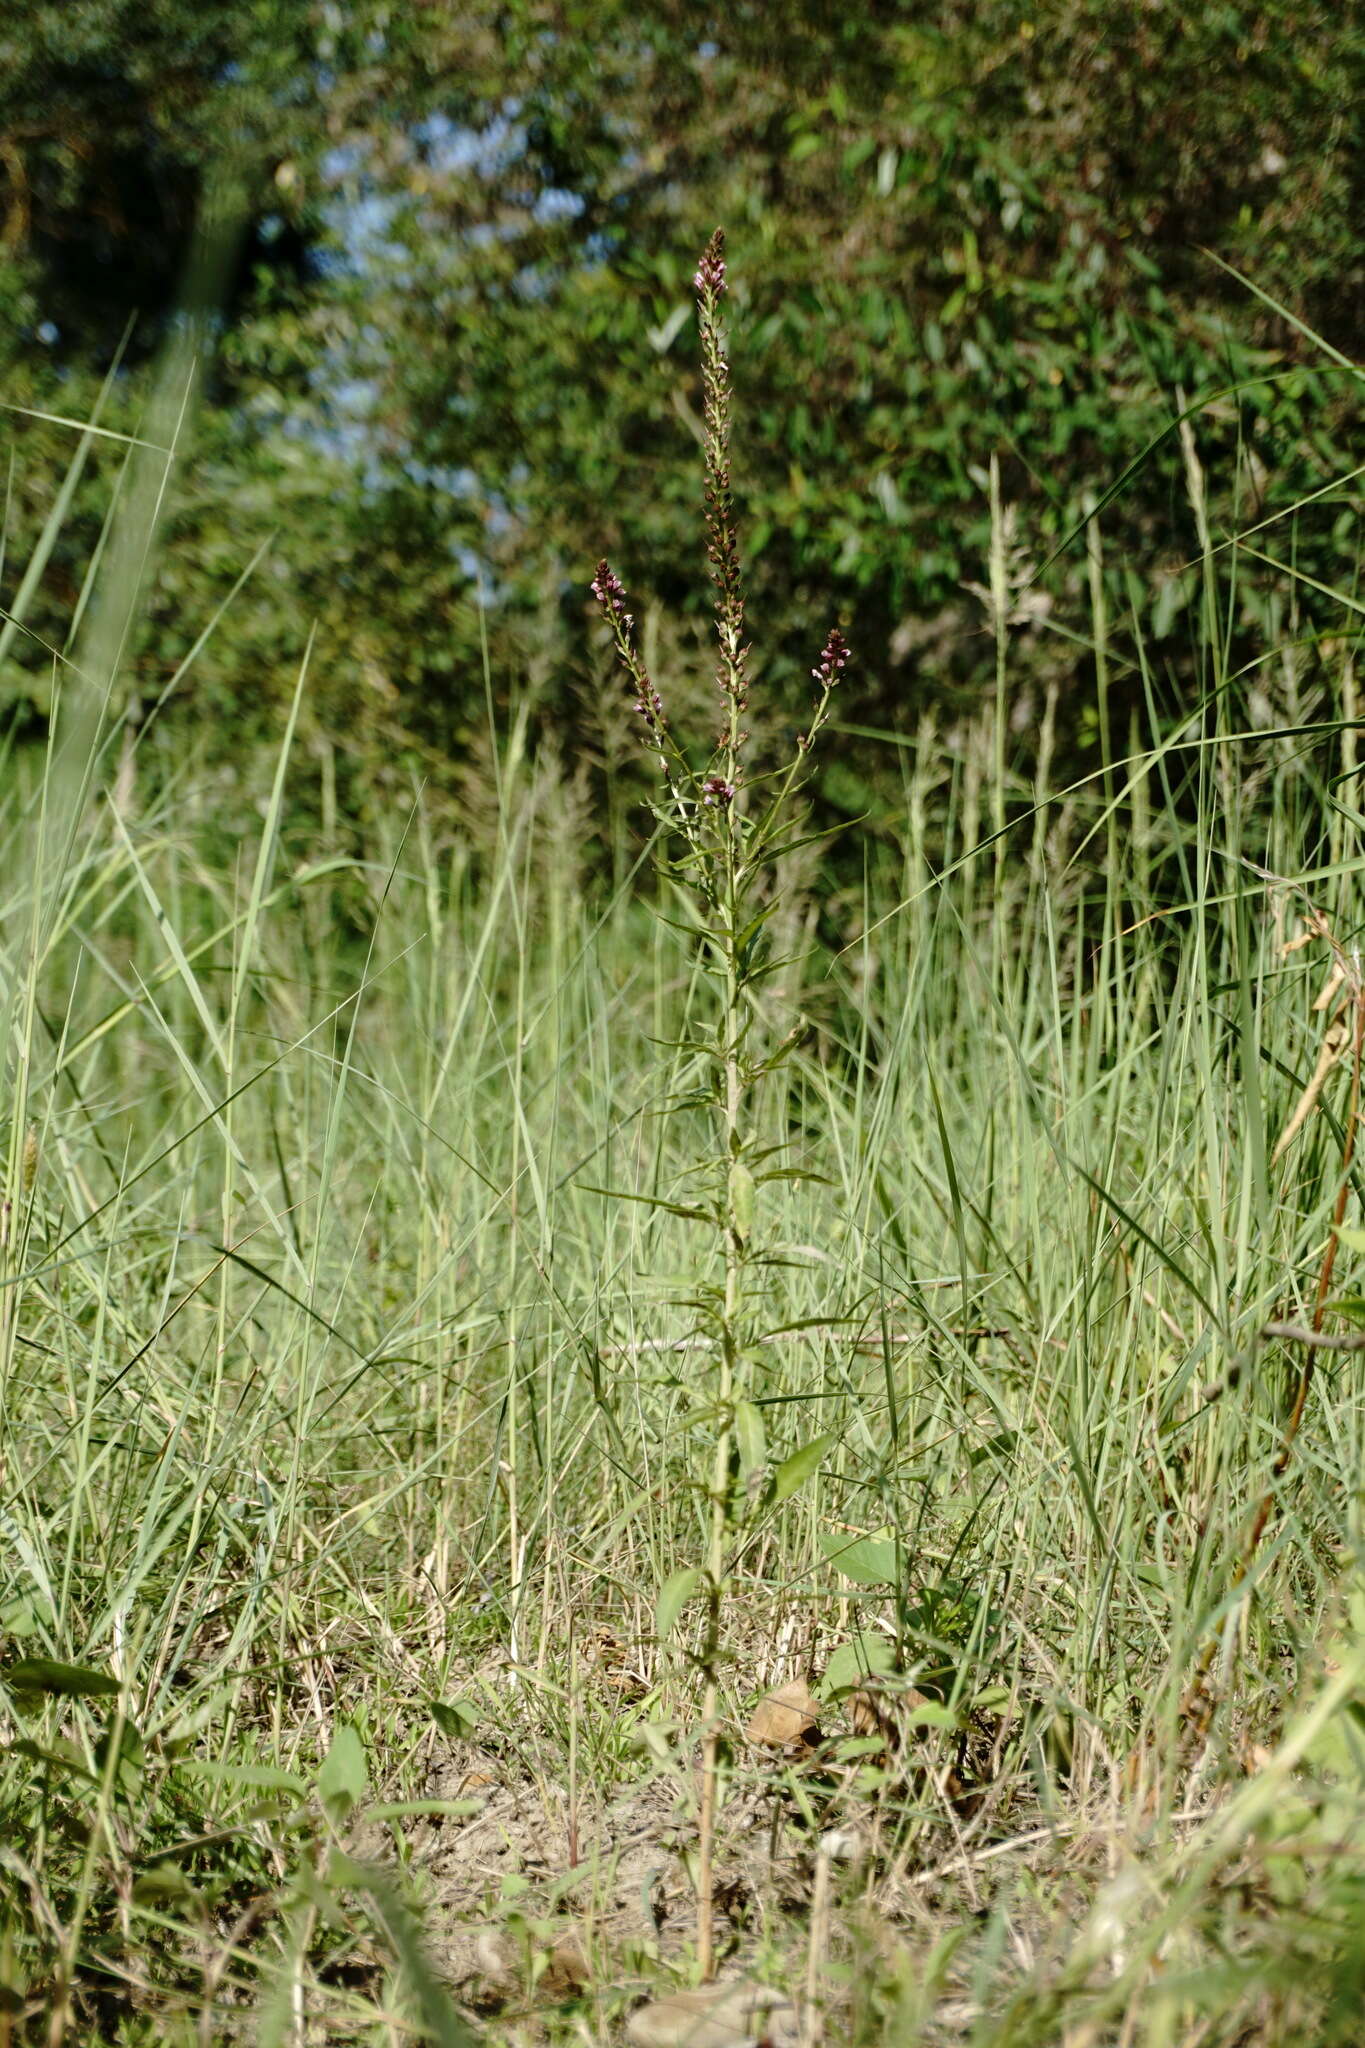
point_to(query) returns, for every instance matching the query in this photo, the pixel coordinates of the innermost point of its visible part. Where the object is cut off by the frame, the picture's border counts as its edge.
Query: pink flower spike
(710, 273)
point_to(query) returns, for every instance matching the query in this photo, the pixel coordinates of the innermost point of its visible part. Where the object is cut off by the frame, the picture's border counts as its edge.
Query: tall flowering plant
(731, 830)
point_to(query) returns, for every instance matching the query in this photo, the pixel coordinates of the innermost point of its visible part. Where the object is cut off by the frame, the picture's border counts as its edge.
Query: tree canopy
(454, 347)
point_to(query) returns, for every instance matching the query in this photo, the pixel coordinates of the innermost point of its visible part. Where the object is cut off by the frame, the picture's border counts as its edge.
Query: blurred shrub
(455, 349)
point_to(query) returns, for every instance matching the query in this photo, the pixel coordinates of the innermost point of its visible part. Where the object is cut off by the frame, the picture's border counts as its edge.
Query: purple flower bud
(710, 275)
(833, 660)
(608, 588)
(610, 593)
(717, 791)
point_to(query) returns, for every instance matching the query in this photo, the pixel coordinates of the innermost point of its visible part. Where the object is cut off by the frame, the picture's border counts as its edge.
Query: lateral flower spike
(834, 659)
(610, 593)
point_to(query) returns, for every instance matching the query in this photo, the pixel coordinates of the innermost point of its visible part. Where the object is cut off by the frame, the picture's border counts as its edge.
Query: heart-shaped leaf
(867, 1656)
(870, 1560)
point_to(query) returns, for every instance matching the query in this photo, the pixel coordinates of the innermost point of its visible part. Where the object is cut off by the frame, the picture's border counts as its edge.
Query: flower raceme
(722, 535)
(610, 593)
(716, 791)
(729, 860)
(833, 662)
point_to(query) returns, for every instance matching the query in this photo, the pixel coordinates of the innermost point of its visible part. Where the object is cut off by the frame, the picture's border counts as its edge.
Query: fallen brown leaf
(566, 1971)
(495, 1955)
(786, 1718)
(559, 1972)
(717, 2016)
(875, 1711)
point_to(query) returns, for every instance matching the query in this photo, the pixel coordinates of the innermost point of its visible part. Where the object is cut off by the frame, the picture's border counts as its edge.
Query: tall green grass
(332, 1390)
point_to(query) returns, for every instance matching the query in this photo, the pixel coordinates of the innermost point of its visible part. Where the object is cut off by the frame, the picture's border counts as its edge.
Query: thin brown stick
(1315, 1340)
(1284, 1333)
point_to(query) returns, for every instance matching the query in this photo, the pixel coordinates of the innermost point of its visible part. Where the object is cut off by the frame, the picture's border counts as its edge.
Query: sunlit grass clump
(454, 1371)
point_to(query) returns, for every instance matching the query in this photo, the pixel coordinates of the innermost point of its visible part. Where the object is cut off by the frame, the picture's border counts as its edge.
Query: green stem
(735, 1254)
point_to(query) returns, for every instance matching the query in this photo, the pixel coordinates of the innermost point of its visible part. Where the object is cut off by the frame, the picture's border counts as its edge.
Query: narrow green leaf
(755, 925)
(990, 1699)
(794, 1471)
(689, 1215)
(255, 1777)
(59, 1681)
(442, 2024)
(929, 1714)
(19, 1616)
(742, 1198)
(750, 1436)
(342, 1777)
(419, 1809)
(674, 1595)
(61, 1757)
(456, 1718)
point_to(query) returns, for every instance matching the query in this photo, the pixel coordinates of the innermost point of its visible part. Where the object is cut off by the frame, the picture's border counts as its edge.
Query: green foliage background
(450, 353)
